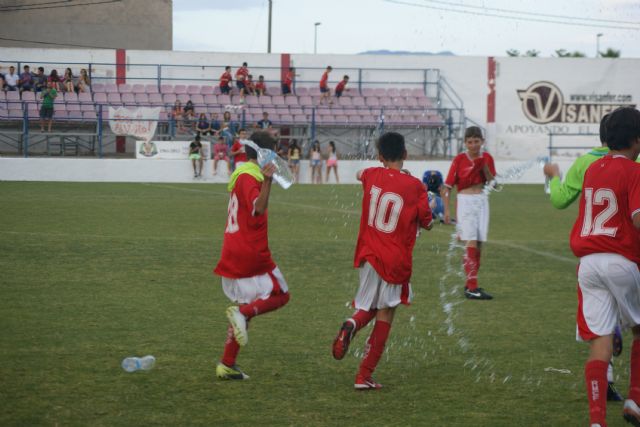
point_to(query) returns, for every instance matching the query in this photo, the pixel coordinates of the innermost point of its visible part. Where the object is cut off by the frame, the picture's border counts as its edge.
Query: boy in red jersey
(341, 87)
(241, 79)
(238, 150)
(249, 275)
(325, 92)
(470, 171)
(288, 81)
(394, 205)
(606, 238)
(225, 81)
(261, 86)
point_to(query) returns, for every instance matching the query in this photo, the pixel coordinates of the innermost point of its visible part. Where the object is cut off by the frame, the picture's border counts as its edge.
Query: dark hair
(329, 67)
(221, 138)
(391, 146)
(25, 67)
(228, 67)
(244, 64)
(315, 146)
(332, 145)
(603, 129)
(345, 77)
(622, 128)
(261, 77)
(263, 140)
(242, 130)
(473, 132)
(41, 69)
(198, 137)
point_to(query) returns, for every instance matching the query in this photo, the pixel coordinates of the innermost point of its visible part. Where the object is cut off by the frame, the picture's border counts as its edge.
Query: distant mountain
(405, 52)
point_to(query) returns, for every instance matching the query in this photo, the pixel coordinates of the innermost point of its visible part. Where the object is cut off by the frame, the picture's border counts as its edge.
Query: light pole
(269, 30)
(598, 44)
(315, 37)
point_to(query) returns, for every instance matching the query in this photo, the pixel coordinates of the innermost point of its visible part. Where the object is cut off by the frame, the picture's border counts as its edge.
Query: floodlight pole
(269, 31)
(598, 44)
(315, 37)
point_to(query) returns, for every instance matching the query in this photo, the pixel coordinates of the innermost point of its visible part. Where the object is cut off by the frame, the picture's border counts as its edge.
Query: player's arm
(445, 193)
(425, 216)
(359, 174)
(564, 193)
(260, 206)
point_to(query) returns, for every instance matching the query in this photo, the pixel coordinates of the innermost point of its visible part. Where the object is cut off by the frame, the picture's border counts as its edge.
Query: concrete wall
(128, 24)
(179, 171)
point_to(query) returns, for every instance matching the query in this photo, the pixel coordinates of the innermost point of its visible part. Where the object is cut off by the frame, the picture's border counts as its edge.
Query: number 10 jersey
(394, 204)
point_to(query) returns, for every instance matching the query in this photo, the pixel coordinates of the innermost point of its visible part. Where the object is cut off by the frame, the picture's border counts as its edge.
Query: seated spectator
(227, 122)
(340, 87)
(203, 127)
(249, 85)
(55, 80)
(215, 123)
(84, 83)
(176, 115)
(261, 87)
(225, 81)
(265, 123)
(189, 115)
(40, 80)
(68, 81)
(11, 79)
(26, 80)
(195, 155)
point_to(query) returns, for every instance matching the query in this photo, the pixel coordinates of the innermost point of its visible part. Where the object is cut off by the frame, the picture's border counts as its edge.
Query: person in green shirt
(563, 194)
(46, 110)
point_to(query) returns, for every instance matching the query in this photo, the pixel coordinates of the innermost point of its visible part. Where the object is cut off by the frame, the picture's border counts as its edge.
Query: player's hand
(551, 170)
(447, 219)
(268, 170)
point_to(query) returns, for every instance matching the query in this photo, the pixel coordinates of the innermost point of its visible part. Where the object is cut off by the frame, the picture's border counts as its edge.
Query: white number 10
(384, 210)
(595, 226)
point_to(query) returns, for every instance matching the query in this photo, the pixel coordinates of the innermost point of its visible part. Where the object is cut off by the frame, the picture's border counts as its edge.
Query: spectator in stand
(46, 110)
(261, 87)
(238, 149)
(341, 87)
(40, 80)
(294, 159)
(225, 81)
(315, 160)
(176, 115)
(84, 83)
(220, 151)
(282, 149)
(229, 122)
(189, 115)
(215, 123)
(68, 81)
(11, 79)
(287, 82)
(203, 127)
(196, 157)
(2, 82)
(26, 79)
(265, 123)
(325, 92)
(54, 78)
(332, 161)
(249, 85)
(241, 80)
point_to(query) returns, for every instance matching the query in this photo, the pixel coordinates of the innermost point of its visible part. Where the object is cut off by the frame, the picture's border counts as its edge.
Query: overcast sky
(463, 27)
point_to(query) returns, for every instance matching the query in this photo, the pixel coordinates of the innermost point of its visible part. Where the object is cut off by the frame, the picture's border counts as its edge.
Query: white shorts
(249, 289)
(472, 216)
(608, 293)
(375, 293)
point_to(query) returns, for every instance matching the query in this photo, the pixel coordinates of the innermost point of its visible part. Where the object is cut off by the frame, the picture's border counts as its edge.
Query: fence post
(359, 81)
(425, 78)
(25, 130)
(244, 118)
(159, 77)
(99, 124)
(550, 145)
(313, 124)
(89, 72)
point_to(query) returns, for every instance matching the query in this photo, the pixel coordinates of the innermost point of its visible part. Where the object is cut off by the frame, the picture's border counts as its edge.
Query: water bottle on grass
(282, 175)
(132, 364)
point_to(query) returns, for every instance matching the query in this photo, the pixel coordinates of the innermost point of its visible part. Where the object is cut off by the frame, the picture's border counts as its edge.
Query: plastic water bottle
(282, 175)
(547, 185)
(132, 364)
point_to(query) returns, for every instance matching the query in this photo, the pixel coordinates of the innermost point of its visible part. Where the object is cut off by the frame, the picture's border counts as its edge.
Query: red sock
(470, 263)
(374, 348)
(477, 258)
(363, 317)
(634, 374)
(231, 349)
(595, 375)
(262, 306)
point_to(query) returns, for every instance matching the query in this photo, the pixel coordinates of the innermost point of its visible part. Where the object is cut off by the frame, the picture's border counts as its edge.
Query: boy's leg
(348, 330)
(374, 349)
(263, 306)
(227, 369)
(470, 264)
(595, 375)
(631, 405)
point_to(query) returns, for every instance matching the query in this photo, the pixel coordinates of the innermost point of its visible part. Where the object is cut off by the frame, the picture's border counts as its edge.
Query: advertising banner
(138, 122)
(169, 150)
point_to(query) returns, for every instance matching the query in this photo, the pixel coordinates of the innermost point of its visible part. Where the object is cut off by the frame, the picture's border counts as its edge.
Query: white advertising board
(168, 150)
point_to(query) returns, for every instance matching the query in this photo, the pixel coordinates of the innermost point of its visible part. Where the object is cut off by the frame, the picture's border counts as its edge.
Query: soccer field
(92, 273)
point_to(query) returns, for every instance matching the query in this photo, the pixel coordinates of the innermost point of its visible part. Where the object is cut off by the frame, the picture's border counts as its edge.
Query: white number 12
(595, 226)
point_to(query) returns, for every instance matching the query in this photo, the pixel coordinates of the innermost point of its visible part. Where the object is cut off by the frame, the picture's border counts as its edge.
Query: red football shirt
(393, 205)
(240, 157)
(260, 86)
(609, 199)
(465, 172)
(225, 78)
(245, 248)
(288, 78)
(242, 73)
(323, 80)
(340, 86)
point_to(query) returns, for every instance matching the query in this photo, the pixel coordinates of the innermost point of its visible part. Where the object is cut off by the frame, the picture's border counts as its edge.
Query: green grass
(92, 273)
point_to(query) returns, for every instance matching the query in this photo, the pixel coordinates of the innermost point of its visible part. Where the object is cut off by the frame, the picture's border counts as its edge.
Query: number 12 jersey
(394, 204)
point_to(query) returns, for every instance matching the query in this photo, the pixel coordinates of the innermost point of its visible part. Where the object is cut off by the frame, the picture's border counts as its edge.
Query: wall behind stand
(180, 171)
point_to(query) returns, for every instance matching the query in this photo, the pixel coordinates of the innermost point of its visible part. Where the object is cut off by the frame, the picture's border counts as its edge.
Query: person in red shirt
(340, 87)
(241, 79)
(394, 205)
(250, 86)
(325, 92)
(287, 82)
(225, 81)
(250, 278)
(261, 86)
(606, 238)
(238, 150)
(470, 172)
